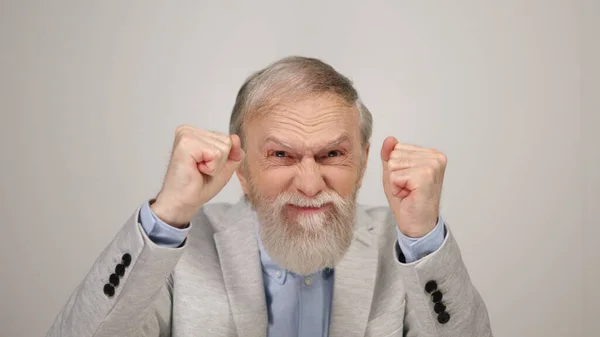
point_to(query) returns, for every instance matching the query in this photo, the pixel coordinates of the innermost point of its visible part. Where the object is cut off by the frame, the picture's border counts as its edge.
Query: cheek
(272, 182)
(341, 180)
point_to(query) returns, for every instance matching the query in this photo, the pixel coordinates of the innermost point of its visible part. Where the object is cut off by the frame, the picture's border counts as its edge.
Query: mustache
(319, 200)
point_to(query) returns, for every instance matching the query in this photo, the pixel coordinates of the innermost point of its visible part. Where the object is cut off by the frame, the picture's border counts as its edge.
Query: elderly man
(296, 256)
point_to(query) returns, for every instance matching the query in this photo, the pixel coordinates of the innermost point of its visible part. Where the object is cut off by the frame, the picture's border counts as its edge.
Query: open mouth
(309, 209)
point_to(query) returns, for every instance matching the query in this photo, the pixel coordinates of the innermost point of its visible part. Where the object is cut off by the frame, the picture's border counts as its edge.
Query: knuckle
(227, 140)
(429, 171)
(437, 153)
(185, 140)
(181, 129)
(221, 137)
(218, 153)
(210, 133)
(442, 158)
(392, 165)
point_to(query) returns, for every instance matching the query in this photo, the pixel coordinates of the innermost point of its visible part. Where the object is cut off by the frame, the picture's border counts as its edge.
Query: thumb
(388, 146)
(236, 155)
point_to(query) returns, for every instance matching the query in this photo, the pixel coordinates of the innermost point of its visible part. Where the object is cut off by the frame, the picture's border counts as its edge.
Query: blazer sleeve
(127, 291)
(440, 297)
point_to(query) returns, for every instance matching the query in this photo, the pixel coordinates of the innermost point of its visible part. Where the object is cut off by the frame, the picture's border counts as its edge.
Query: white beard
(309, 242)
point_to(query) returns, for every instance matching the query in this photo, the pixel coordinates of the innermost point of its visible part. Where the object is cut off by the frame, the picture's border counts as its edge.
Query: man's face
(304, 165)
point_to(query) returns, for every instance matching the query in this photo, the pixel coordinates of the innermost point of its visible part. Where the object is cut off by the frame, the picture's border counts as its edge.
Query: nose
(309, 180)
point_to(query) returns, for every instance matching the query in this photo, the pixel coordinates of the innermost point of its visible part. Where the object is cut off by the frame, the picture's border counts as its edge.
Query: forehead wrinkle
(301, 120)
(343, 137)
(303, 115)
(299, 124)
(302, 130)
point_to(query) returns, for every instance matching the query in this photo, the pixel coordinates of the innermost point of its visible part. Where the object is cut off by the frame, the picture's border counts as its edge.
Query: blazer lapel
(242, 272)
(354, 282)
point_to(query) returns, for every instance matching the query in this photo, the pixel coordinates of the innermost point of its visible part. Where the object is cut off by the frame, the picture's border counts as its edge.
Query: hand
(412, 181)
(201, 164)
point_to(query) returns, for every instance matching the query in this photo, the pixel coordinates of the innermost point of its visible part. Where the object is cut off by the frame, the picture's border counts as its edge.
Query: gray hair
(296, 77)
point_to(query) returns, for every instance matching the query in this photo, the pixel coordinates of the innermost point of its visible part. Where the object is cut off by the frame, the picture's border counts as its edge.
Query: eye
(334, 153)
(279, 154)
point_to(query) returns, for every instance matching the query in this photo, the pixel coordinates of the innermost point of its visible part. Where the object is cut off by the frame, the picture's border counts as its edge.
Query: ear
(242, 177)
(364, 162)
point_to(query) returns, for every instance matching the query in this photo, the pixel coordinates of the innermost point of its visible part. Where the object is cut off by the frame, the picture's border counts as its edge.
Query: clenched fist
(412, 181)
(201, 164)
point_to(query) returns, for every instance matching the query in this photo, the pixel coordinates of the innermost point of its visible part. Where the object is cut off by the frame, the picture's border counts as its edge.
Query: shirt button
(278, 273)
(308, 280)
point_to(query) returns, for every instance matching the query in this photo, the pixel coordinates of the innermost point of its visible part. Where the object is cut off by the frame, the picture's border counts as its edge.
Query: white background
(91, 92)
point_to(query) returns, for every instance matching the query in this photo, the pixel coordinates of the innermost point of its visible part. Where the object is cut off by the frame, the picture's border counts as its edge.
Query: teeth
(307, 205)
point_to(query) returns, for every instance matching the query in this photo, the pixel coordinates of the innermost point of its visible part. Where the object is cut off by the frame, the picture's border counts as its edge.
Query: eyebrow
(334, 143)
(272, 139)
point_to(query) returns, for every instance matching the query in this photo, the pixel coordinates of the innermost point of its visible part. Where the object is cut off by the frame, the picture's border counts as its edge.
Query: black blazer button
(120, 270)
(126, 259)
(109, 290)
(114, 280)
(439, 308)
(444, 317)
(437, 296)
(431, 286)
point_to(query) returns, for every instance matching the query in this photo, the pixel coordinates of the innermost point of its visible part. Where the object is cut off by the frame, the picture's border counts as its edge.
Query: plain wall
(590, 29)
(91, 92)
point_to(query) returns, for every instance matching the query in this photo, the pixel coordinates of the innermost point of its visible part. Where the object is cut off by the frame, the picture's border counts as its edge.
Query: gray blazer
(212, 285)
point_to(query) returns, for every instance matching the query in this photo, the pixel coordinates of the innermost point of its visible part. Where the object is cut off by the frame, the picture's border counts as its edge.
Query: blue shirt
(297, 306)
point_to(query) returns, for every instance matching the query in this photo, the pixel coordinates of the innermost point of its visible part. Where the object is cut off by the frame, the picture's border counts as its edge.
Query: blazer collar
(242, 272)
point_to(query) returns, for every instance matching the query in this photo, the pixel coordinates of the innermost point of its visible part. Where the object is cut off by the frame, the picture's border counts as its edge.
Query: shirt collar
(269, 267)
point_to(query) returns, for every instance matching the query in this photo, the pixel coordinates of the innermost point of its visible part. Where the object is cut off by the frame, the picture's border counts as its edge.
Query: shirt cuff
(417, 248)
(158, 231)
